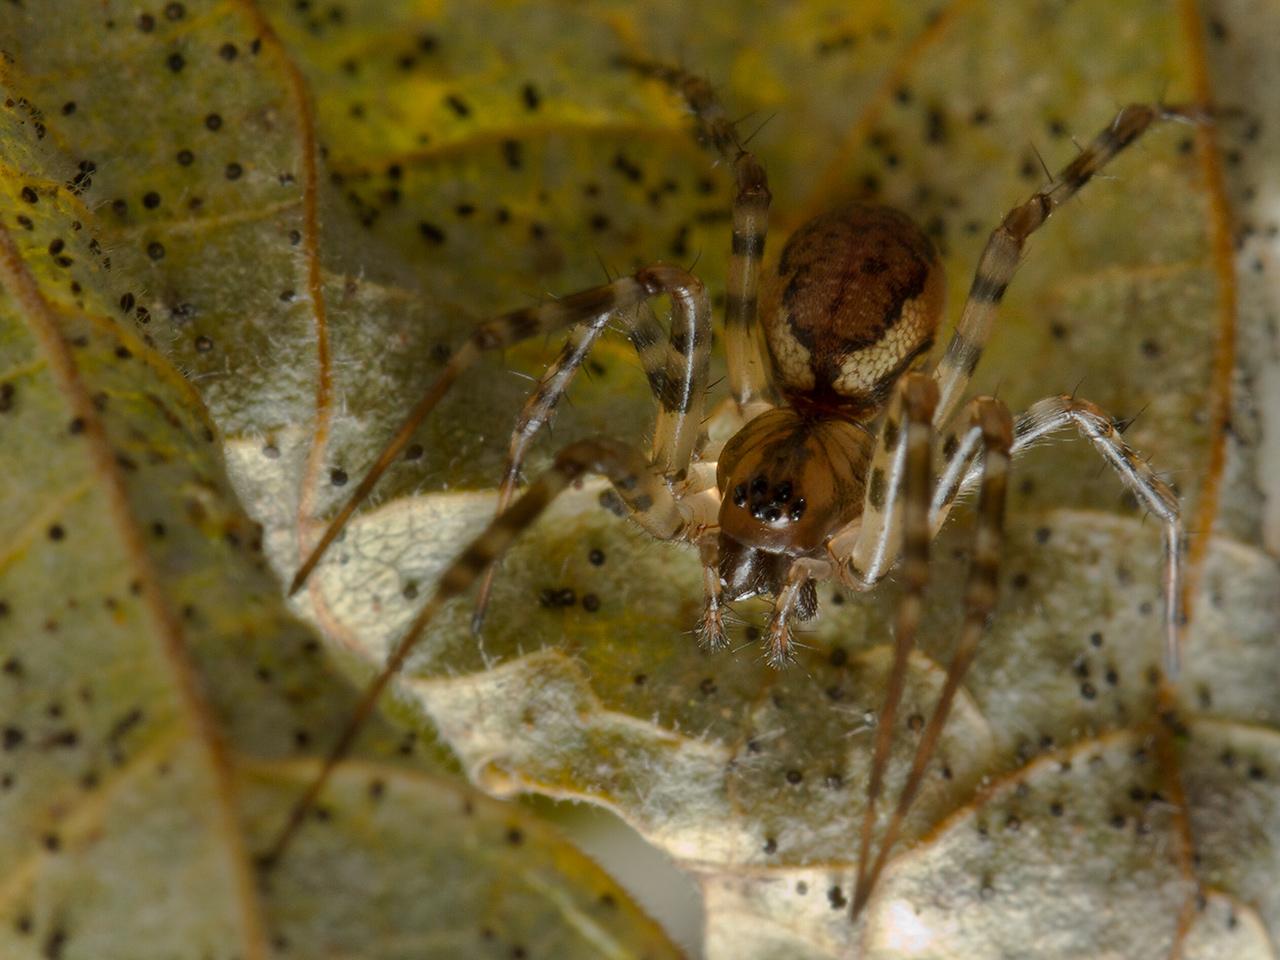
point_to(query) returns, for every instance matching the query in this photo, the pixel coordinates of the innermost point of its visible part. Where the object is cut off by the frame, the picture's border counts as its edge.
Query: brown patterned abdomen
(858, 295)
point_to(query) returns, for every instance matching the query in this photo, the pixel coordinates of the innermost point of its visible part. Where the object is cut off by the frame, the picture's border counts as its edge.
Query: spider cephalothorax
(788, 480)
(828, 472)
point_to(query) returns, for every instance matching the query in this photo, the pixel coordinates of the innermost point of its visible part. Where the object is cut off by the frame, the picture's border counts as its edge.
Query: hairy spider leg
(863, 552)
(778, 645)
(1050, 415)
(681, 396)
(1003, 252)
(677, 374)
(537, 412)
(711, 631)
(991, 418)
(913, 404)
(643, 490)
(749, 379)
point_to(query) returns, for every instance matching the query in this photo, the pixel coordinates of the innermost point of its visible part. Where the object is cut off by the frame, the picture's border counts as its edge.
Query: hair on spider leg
(1048, 174)
(608, 274)
(746, 141)
(779, 661)
(797, 643)
(1075, 389)
(1122, 424)
(750, 639)
(710, 387)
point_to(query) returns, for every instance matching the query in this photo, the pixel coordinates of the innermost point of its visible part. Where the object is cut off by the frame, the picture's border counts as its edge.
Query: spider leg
(1000, 258)
(992, 418)
(643, 490)
(536, 413)
(677, 431)
(790, 597)
(1055, 413)
(677, 375)
(749, 379)
(913, 404)
(711, 632)
(864, 550)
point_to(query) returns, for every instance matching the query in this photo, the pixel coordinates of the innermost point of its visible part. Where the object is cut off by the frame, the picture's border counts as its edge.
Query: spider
(830, 473)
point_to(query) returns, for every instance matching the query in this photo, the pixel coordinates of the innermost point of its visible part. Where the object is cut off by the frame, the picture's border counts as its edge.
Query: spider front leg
(681, 394)
(644, 491)
(896, 507)
(677, 374)
(749, 379)
(1056, 413)
(1003, 252)
(864, 551)
(990, 420)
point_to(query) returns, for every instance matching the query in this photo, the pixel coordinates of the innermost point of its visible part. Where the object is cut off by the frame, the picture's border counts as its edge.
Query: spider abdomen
(857, 297)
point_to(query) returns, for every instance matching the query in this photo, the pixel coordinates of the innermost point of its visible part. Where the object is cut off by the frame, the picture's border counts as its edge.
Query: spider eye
(797, 509)
(768, 501)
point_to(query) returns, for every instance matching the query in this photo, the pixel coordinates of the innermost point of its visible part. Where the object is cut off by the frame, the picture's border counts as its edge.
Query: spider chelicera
(830, 474)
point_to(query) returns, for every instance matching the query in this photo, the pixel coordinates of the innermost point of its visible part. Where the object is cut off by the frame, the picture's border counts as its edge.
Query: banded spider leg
(678, 376)
(862, 554)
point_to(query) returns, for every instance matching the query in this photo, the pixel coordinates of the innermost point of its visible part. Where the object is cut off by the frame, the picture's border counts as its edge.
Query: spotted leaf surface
(317, 203)
(158, 705)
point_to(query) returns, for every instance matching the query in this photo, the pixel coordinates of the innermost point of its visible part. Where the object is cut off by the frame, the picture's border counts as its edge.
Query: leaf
(484, 878)
(156, 695)
(475, 159)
